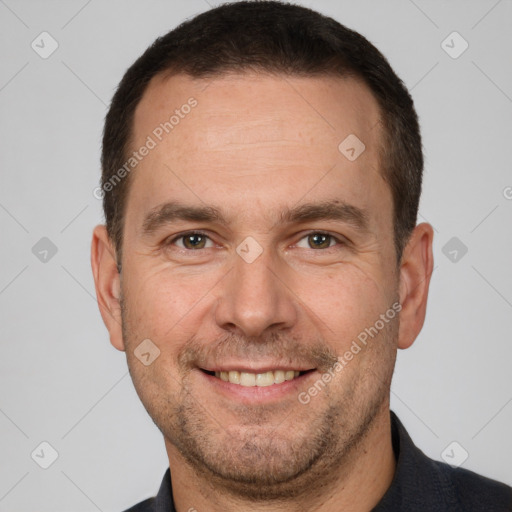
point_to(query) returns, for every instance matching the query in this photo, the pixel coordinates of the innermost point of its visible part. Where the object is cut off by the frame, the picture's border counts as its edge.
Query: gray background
(60, 379)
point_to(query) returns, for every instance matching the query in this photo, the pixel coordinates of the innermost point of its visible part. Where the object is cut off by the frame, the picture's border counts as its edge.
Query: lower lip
(256, 394)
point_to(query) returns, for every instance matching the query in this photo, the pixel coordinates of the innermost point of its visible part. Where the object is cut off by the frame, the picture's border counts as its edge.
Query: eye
(195, 240)
(192, 240)
(318, 240)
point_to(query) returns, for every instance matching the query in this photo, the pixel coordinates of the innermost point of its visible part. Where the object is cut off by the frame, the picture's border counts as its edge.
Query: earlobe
(107, 283)
(415, 272)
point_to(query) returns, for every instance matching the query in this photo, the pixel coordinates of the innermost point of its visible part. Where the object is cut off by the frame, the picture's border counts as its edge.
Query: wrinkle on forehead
(228, 129)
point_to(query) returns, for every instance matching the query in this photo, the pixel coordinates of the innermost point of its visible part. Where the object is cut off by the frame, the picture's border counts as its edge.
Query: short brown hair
(279, 38)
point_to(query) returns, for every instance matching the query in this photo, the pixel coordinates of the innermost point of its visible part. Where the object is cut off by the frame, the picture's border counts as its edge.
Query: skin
(254, 146)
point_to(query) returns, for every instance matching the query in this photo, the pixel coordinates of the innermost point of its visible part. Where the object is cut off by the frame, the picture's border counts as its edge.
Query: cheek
(162, 303)
(343, 302)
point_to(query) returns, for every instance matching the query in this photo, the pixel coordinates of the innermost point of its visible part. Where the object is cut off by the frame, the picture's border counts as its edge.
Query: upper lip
(244, 367)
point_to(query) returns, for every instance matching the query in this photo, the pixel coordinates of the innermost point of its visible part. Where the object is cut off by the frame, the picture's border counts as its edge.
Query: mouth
(257, 379)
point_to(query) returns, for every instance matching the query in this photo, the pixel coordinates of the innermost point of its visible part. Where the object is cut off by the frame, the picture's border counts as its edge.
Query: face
(255, 254)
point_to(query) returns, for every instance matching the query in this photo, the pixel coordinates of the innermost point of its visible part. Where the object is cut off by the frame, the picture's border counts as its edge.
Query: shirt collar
(419, 482)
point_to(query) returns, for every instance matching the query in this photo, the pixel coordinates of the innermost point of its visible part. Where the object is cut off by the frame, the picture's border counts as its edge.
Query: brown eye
(319, 240)
(192, 241)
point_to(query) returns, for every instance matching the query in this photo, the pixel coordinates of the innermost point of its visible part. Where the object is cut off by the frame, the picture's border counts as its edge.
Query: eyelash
(201, 233)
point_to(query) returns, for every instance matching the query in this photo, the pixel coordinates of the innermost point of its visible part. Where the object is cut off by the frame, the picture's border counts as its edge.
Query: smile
(248, 379)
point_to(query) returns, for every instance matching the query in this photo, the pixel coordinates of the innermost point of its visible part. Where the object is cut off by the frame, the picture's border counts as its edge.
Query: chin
(257, 462)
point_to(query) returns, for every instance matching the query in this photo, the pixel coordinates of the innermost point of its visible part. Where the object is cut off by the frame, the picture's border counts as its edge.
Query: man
(261, 264)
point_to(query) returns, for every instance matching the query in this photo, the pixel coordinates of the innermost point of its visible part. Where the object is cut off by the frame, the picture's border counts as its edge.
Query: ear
(108, 284)
(415, 271)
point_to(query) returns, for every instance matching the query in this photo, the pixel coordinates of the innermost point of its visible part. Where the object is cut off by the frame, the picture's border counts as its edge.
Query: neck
(357, 483)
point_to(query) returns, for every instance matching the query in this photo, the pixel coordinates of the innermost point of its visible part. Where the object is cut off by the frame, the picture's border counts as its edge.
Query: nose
(255, 297)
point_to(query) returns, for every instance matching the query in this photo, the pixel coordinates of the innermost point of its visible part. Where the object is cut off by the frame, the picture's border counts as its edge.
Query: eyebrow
(337, 210)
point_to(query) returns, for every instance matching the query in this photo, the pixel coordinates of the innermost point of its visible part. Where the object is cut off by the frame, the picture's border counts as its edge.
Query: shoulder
(424, 484)
(162, 501)
(144, 506)
(472, 491)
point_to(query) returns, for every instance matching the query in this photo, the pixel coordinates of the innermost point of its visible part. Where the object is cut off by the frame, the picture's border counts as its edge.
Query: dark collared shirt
(420, 484)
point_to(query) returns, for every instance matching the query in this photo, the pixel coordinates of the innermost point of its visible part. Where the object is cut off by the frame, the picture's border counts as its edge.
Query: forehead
(256, 107)
(273, 138)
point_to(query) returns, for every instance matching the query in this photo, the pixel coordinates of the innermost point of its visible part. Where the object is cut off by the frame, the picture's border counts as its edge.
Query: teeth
(278, 376)
(247, 379)
(234, 377)
(265, 379)
(257, 379)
